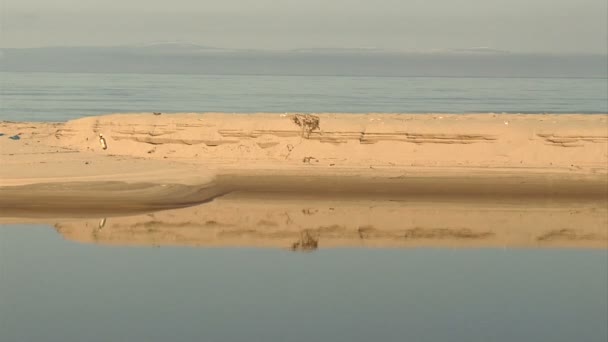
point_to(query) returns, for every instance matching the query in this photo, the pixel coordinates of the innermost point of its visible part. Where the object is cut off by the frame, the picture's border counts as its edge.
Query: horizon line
(480, 50)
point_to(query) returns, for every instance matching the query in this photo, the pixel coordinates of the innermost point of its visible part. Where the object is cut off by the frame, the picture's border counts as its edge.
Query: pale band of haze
(526, 26)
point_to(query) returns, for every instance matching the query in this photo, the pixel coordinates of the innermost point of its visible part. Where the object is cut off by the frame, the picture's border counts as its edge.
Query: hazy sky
(561, 26)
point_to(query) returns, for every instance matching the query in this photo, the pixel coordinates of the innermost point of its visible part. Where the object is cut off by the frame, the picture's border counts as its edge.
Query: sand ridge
(573, 142)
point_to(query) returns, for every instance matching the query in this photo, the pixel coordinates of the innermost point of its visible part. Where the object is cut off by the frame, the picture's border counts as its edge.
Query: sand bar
(174, 160)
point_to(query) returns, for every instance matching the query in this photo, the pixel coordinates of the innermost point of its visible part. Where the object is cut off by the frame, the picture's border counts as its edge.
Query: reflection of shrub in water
(307, 242)
(445, 233)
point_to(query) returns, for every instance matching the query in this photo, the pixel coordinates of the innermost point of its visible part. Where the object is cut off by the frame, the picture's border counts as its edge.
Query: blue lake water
(64, 96)
(55, 290)
(52, 289)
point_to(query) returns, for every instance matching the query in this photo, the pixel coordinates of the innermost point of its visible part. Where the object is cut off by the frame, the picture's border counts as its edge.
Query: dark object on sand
(1, 134)
(15, 137)
(157, 113)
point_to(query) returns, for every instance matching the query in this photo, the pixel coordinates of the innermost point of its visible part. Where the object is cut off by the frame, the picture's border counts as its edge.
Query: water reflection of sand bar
(300, 225)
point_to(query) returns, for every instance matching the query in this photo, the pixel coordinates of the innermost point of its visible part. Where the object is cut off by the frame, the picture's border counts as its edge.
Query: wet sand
(481, 179)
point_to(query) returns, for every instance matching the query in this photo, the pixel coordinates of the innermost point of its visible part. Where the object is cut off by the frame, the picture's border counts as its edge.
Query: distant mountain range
(190, 58)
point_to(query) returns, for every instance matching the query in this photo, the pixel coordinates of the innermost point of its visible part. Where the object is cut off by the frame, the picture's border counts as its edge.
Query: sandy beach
(543, 168)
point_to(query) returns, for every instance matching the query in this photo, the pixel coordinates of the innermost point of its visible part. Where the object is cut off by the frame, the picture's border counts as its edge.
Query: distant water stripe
(65, 96)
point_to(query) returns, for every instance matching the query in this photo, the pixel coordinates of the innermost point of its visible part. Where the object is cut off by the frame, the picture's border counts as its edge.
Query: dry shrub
(307, 122)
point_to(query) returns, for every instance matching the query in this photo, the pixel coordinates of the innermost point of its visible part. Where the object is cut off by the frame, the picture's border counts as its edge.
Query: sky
(528, 26)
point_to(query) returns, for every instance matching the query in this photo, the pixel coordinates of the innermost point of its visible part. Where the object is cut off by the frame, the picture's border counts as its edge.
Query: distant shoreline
(93, 72)
(200, 60)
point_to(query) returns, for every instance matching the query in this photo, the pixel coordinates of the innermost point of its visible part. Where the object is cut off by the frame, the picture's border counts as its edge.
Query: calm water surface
(55, 290)
(64, 96)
